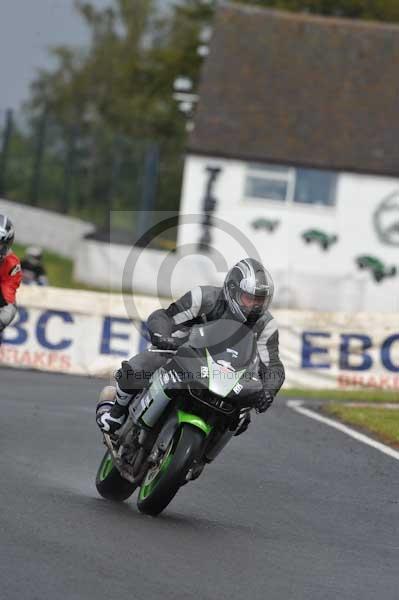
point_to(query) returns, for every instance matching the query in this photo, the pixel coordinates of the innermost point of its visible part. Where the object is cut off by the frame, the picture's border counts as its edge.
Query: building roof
(302, 90)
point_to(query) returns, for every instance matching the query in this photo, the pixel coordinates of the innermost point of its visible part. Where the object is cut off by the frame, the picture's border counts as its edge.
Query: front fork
(174, 421)
(215, 449)
(146, 409)
(181, 417)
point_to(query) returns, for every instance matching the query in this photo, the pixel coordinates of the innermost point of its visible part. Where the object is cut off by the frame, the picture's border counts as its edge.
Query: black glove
(164, 342)
(263, 402)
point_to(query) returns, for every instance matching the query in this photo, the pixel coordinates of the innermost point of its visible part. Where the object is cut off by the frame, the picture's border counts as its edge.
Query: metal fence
(85, 173)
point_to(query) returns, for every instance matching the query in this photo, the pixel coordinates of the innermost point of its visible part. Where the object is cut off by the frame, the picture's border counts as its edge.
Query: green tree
(124, 80)
(381, 10)
(118, 92)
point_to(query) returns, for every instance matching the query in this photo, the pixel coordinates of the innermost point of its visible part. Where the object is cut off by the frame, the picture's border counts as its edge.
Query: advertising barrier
(88, 333)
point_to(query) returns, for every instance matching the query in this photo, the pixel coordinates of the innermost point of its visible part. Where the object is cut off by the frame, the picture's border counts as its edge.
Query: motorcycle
(189, 411)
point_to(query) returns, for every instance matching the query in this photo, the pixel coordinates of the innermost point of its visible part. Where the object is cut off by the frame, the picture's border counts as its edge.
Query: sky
(27, 29)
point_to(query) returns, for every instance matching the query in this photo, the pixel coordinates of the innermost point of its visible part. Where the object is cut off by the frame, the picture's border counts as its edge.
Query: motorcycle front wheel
(163, 481)
(109, 482)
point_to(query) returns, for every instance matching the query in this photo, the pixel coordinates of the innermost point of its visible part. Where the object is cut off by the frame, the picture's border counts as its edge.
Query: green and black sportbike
(186, 416)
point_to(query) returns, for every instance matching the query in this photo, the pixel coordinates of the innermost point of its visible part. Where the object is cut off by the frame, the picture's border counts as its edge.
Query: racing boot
(110, 414)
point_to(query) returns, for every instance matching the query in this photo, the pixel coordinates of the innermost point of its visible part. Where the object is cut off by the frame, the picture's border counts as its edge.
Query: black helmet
(248, 290)
(7, 233)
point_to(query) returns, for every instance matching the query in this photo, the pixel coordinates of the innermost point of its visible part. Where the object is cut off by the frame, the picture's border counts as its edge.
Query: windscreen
(216, 356)
(226, 340)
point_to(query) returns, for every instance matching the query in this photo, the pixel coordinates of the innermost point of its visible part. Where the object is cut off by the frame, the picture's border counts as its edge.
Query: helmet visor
(251, 303)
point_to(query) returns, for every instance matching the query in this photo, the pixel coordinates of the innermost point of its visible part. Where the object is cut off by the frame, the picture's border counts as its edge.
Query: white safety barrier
(71, 331)
(46, 228)
(155, 272)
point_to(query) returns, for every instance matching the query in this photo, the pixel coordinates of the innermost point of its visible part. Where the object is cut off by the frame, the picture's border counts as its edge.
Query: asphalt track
(293, 510)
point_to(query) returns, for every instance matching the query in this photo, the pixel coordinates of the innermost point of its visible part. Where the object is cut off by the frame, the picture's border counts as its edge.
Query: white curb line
(360, 437)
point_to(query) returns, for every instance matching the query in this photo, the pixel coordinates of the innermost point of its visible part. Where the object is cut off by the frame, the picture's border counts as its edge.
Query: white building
(296, 145)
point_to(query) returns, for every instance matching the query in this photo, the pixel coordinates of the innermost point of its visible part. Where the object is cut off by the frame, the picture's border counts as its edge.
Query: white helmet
(7, 233)
(34, 253)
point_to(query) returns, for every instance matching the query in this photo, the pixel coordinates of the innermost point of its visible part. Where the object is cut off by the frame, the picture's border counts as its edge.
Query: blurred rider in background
(33, 271)
(10, 273)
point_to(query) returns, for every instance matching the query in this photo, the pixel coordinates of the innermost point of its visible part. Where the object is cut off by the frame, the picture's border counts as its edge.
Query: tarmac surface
(292, 510)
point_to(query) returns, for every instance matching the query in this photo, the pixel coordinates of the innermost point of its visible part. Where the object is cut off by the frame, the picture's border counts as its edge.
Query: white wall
(140, 271)
(45, 228)
(306, 276)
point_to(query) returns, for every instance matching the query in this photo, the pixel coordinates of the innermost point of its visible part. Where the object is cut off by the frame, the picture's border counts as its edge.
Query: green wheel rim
(106, 467)
(154, 476)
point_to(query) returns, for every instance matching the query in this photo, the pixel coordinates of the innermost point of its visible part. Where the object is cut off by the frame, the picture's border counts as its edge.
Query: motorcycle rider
(33, 270)
(246, 295)
(10, 273)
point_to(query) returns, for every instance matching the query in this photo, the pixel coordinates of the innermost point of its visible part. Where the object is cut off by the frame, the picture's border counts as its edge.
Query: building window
(315, 187)
(287, 184)
(268, 182)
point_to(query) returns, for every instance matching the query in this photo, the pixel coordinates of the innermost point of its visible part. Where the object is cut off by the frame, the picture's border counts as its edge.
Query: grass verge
(59, 270)
(382, 422)
(366, 395)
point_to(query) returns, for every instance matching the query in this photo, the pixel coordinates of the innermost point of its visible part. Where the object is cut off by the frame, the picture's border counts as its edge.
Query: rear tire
(109, 482)
(155, 494)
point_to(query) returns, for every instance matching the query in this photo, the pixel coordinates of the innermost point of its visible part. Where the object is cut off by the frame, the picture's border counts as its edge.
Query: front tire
(109, 482)
(162, 483)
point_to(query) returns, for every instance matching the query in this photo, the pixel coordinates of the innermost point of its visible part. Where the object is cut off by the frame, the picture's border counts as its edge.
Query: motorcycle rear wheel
(162, 483)
(109, 482)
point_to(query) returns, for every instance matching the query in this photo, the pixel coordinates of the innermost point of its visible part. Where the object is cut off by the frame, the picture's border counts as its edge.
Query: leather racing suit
(10, 279)
(200, 305)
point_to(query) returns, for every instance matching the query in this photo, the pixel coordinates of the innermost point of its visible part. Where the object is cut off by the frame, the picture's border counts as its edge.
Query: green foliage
(124, 81)
(107, 103)
(381, 10)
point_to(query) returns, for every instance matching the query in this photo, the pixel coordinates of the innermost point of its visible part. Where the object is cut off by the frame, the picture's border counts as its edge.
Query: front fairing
(220, 357)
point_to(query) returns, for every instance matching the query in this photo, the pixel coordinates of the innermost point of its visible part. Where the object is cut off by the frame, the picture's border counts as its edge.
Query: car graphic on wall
(377, 268)
(324, 240)
(267, 224)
